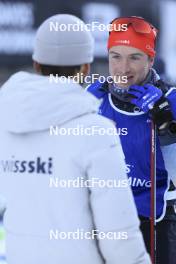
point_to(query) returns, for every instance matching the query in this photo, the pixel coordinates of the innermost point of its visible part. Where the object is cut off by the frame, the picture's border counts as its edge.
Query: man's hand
(145, 96)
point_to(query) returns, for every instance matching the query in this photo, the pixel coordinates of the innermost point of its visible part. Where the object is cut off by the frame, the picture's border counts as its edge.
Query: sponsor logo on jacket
(37, 165)
(137, 182)
(134, 181)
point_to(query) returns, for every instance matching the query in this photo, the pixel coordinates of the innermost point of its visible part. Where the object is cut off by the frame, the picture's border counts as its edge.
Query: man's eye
(135, 58)
(116, 57)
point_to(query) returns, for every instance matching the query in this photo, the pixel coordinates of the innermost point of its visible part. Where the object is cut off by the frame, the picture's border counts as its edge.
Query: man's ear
(151, 59)
(85, 69)
(37, 67)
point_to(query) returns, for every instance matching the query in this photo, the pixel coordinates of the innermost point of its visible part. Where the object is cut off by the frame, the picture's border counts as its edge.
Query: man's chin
(124, 85)
(127, 83)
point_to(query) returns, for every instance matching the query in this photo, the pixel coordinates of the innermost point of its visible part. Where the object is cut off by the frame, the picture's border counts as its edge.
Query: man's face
(130, 62)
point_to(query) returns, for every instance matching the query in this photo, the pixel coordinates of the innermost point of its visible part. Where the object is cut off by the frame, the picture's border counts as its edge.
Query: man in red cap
(144, 104)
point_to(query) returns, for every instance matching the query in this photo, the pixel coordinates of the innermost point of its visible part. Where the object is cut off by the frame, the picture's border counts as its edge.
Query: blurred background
(20, 18)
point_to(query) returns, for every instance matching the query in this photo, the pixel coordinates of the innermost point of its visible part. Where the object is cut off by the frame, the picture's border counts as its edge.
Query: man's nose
(124, 67)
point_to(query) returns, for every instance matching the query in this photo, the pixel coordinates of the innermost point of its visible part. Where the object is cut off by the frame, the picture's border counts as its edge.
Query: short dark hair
(59, 70)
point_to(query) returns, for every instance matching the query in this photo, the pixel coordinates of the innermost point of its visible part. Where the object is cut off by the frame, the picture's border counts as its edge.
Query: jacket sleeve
(113, 208)
(171, 97)
(169, 154)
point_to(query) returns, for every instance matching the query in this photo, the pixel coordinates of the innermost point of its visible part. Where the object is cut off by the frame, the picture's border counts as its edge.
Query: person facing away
(48, 219)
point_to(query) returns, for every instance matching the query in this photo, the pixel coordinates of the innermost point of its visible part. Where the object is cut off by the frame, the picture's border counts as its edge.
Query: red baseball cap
(138, 33)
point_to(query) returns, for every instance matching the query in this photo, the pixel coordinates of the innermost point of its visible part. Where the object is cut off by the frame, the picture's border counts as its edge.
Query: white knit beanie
(63, 40)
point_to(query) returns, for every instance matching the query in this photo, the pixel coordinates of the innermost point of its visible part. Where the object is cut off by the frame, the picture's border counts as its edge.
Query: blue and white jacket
(134, 129)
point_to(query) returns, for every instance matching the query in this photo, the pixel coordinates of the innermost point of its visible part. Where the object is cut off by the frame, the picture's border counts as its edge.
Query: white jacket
(30, 158)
